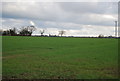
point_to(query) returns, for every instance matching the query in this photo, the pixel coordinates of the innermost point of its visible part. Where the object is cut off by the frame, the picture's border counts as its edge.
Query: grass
(60, 58)
(0, 57)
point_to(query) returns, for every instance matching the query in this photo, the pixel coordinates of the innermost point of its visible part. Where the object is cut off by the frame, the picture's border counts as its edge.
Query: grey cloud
(60, 15)
(90, 7)
(40, 11)
(58, 12)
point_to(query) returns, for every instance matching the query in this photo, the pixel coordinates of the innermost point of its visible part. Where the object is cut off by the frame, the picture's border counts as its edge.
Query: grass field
(58, 57)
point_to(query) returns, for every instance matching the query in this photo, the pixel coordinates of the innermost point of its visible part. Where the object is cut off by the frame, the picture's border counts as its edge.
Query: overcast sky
(76, 18)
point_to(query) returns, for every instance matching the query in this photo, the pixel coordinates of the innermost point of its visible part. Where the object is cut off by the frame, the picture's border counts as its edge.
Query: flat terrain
(58, 57)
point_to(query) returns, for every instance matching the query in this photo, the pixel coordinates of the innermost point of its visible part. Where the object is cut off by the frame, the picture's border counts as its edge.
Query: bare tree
(6, 33)
(101, 36)
(13, 31)
(27, 31)
(62, 32)
(42, 32)
(24, 31)
(31, 29)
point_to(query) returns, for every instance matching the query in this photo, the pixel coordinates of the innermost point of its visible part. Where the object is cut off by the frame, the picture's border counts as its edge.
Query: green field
(60, 58)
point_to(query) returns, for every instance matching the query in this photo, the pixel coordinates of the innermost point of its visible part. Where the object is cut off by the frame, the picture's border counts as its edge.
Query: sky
(76, 18)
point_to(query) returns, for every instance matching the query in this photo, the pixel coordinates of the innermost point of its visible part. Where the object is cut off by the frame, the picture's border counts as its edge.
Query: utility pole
(119, 19)
(116, 28)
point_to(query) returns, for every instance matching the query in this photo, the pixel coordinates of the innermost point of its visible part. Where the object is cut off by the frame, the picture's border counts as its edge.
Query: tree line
(28, 31)
(25, 31)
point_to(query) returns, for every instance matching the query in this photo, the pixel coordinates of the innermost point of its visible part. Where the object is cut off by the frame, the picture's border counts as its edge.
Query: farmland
(59, 58)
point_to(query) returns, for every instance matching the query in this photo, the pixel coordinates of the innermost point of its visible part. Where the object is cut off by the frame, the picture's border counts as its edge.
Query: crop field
(59, 58)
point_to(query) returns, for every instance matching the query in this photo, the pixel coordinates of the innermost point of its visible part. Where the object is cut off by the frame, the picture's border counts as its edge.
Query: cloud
(40, 11)
(60, 1)
(71, 29)
(90, 7)
(32, 23)
(61, 12)
(54, 16)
